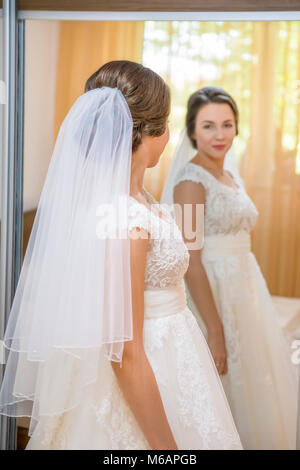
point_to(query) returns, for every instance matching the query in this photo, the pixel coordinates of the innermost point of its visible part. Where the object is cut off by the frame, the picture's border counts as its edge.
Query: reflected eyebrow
(226, 120)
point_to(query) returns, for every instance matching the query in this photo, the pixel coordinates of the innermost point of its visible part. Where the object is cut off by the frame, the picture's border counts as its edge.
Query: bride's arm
(136, 377)
(189, 192)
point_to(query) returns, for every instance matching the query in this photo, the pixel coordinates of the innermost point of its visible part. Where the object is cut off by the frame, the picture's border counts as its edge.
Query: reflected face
(215, 129)
(156, 146)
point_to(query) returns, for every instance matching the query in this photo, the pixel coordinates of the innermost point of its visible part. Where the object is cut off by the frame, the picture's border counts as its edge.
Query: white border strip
(162, 16)
(2, 352)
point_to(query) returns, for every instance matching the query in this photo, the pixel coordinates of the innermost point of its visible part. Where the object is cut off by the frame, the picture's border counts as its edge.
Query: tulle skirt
(262, 381)
(191, 390)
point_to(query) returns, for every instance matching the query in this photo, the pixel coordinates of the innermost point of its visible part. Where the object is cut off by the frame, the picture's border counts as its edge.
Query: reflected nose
(219, 133)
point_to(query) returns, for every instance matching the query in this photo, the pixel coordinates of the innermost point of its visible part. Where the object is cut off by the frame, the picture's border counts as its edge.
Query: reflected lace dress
(261, 383)
(190, 387)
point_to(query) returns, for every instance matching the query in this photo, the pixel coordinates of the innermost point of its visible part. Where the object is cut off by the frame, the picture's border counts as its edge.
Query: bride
(225, 288)
(102, 350)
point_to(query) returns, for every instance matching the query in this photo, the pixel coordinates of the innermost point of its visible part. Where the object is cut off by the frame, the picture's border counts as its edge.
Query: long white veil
(66, 316)
(184, 152)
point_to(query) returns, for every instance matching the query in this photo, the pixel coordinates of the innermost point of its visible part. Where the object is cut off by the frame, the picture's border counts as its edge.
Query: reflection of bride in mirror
(227, 291)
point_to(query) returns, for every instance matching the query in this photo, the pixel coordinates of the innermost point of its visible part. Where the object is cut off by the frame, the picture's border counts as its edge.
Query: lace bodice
(227, 210)
(167, 257)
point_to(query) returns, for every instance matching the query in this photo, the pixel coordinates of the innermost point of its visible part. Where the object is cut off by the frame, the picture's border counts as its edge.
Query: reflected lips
(219, 147)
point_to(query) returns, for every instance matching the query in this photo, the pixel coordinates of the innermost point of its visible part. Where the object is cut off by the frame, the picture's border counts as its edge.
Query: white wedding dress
(189, 384)
(261, 383)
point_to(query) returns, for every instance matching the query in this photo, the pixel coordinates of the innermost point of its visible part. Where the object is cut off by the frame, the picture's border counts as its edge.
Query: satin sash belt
(216, 246)
(165, 301)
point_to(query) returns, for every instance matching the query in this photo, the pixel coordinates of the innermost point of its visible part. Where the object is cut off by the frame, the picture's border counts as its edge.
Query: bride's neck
(137, 177)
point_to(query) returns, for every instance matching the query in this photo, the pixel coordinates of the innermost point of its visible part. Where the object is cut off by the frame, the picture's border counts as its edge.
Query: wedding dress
(193, 397)
(261, 383)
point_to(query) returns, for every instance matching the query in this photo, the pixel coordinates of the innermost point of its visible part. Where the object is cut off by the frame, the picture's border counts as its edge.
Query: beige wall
(41, 46)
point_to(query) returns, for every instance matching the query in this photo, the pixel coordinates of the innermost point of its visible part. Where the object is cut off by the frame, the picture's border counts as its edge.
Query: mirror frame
(14, 15)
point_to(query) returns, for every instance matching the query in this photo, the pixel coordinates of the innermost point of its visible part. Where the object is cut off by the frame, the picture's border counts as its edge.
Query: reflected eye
(228, 125)
(207, 126)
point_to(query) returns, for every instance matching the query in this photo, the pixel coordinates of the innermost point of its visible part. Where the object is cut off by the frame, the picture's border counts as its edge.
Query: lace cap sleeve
(138, 216)
(195, 173)
(240, 181)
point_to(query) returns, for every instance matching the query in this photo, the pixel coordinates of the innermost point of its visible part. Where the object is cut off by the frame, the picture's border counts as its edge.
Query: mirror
(258, 63)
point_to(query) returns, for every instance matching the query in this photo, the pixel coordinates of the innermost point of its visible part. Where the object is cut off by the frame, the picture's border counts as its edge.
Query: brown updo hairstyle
(203, 97)
(146, 93)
